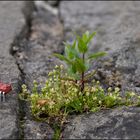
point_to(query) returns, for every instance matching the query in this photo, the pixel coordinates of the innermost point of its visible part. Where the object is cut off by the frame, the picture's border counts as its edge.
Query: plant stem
(82, 75)
(82, 82)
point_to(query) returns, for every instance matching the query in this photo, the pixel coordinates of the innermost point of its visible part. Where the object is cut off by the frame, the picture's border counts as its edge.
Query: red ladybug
(4, 89)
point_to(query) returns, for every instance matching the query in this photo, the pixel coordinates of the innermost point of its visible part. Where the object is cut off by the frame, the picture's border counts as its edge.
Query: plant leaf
(80, 66)
(82, 46)
(84, 37)
(72, 72)
(87, 65)
(71, 53)
(90, 37)
(97, 55)
(74, 44)
(62, 57)
(73, 68)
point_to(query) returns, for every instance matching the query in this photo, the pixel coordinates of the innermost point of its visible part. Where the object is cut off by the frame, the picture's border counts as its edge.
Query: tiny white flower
(132, 94)
(56, 66)
(52, 90)
(94, 98)
(43, 108)
(32, 95)
(67, 100)
(87, 93)
(109, 89)
(100, 102)
(61, 66)
(84, 99)
(117, 89)
(80, 93)
(139, 97)
(93, 89)
(97, 82)
(54, 71)
(114, 97)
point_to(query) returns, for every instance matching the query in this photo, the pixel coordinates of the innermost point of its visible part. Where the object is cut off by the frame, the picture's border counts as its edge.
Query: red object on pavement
(6, 88)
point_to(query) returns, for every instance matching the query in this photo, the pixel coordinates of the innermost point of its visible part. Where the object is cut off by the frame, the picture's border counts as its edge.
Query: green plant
(67, 92)
(60, 97)
(25, 94)
(76, 59)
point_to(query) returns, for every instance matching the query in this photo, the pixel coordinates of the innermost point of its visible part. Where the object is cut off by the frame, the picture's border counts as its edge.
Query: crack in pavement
(33, 54)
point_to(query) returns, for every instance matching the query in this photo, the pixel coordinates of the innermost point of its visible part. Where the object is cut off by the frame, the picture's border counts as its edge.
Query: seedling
(76, 58)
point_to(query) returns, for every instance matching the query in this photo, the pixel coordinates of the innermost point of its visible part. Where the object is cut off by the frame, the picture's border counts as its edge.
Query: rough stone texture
(118, 33)
(11, 23)
(52, 2)
(37, 130)
(122, 123)
(117, 26)
(34, 57)
(118, 30)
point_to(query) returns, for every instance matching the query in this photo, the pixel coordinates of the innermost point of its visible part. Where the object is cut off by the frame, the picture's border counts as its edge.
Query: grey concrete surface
(119, 123)
(117, 26)
(11, 23)
(118, 33)
(34, 57)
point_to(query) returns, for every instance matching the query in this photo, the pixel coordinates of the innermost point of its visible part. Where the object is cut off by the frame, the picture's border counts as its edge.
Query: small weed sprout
(76, 59)
(25, 94)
